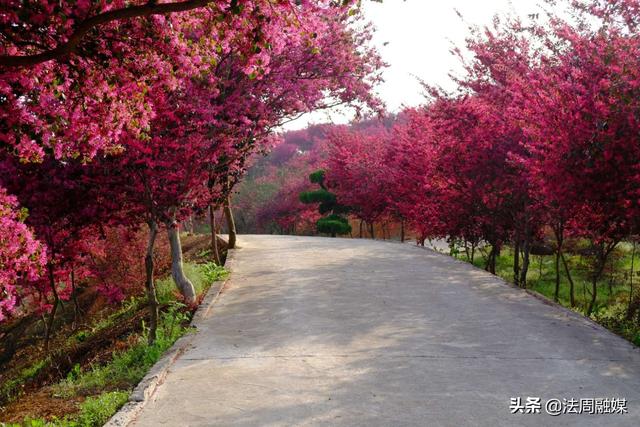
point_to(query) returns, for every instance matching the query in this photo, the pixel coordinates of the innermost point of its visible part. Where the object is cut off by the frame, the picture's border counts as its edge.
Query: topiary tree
(335, 223)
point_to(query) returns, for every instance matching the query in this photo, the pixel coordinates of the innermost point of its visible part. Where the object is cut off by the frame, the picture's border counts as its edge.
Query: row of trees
(124, 113)
(268, 198)
(542, 137)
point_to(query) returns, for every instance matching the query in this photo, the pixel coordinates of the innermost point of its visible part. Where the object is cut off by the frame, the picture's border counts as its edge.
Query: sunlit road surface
(341, 332)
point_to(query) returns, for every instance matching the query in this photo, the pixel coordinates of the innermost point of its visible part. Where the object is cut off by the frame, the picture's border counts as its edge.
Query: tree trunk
(491, 261)
(77, 312)
(177, 272)
(603, 253)
(526, 251)
(149, 282)
(516, 262)
(594, 282)
(48, 326)
(631, 305)
(559, 232)
(494, 261)
(231, 225)
(572, 288)
(402, 231)
(372, 230)
(611, 278)
(594, 295)
(540, 263)
(214, 236)
(361, 229)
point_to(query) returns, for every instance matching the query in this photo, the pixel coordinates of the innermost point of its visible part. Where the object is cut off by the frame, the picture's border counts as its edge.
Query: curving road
(339, 332)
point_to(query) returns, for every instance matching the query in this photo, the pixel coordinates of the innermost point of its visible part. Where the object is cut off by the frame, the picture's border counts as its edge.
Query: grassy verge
(128, 367)
(613, 289)
(201, 275)
(103, 388)
(95, 411)
(13, 387)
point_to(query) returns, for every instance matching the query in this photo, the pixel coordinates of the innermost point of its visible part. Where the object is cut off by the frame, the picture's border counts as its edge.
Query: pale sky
(415, 38)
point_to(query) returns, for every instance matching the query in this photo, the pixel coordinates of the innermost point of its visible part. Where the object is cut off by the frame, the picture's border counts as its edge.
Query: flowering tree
(65, 209)
(272, 187)
(586, 147)
(356, 166)
(22, 257)
(142, 98)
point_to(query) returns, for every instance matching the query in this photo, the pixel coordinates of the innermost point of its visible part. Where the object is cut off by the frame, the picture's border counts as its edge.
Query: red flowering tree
(22, 257)
(356, 168)
(585, 136)
(65, 208)
(183, 98)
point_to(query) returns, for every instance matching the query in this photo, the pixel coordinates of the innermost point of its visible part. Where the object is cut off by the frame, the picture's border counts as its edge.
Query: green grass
(12, 388)
(126, 368)
(541, 278)
(201, 275)
(129, 308)
(94, 411)
(612, 293)
(205, 253)
(108, 386)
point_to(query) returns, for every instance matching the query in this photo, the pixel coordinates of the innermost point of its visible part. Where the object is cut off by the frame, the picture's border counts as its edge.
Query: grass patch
(201, 275)
(105, 373)
(108, 386)
(12, 388)
(126, 368)
(128, 309)
(205, 253)
(95, 411)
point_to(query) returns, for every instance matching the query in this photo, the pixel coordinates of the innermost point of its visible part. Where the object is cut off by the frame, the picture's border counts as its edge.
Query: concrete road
(333, 332)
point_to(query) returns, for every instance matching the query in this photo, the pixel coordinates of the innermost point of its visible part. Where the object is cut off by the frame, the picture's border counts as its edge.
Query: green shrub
(333, 225)
(317, 177)
(213, 272)
(95, 411)
(205, 253)
(614, 318)
(319, 196)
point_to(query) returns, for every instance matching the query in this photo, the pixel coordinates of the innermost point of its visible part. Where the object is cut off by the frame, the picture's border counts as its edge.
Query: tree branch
(88, 24)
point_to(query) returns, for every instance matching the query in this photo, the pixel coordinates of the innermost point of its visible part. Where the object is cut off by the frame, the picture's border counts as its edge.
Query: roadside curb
(157, 374)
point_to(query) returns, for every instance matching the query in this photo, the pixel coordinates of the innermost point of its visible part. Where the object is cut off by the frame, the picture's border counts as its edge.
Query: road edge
(158, 372)
(587, 321)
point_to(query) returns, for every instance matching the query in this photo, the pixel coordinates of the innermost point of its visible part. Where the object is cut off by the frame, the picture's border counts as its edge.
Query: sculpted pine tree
(357, 166)
(335, 222)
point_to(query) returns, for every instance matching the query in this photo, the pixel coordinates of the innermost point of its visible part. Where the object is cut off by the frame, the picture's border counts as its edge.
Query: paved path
(332, 332)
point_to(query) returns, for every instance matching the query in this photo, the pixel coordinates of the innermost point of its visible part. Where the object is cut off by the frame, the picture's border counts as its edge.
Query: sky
(415, 38)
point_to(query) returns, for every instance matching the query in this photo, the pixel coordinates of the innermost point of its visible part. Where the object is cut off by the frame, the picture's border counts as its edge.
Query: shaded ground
(314, 331)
